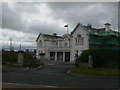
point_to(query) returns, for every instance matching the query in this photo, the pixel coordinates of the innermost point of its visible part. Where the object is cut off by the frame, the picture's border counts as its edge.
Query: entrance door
(67, 56)
(52, 55)
(59, 56)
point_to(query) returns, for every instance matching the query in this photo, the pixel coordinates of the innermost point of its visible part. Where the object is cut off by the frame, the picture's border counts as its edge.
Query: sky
(23, 21)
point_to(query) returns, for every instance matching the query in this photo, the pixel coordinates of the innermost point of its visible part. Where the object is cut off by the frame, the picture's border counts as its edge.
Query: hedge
(12, 57)
(101, 58)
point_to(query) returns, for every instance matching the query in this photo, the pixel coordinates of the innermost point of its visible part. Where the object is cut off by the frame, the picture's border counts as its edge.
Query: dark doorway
(52, 55)
(67, 56)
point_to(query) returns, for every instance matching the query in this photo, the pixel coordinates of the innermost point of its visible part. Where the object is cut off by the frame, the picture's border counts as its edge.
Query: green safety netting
(104, 40)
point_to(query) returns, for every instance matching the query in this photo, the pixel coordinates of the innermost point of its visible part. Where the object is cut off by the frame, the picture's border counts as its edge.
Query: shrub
(102, 58)
(12, 57)
(28, 58)
(9, 56)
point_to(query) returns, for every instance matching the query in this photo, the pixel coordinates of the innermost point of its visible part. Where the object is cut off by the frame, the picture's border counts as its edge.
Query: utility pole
(10, 44)
(67, 29)
(20, 47)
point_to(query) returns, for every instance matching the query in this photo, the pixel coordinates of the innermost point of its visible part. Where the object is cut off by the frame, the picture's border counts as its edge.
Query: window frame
(79, 40)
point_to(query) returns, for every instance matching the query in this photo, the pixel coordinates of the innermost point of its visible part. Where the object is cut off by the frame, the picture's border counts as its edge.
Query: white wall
(80, 30)
(38, 48)
(72, 43)
(48, 44)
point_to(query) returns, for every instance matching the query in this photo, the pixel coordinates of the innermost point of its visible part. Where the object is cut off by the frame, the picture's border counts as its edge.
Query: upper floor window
(79, 39)
(56, 44)
(40, 43)
(65, 44)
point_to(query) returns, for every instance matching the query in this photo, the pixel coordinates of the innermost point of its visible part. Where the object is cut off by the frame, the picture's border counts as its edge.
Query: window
(75, 40)
(79, 39)
(56, 44)
(40, 43)
(65, 44)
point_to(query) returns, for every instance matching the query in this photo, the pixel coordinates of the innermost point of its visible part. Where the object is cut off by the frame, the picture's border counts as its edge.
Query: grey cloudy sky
(23, 21)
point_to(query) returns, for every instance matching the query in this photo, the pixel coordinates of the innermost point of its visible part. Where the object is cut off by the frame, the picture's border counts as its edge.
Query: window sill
(79, 44)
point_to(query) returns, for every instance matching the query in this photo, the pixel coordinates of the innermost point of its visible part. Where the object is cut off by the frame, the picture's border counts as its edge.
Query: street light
(67, 27)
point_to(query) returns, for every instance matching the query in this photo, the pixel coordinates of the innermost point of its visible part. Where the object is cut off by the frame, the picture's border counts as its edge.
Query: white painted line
(31, 85)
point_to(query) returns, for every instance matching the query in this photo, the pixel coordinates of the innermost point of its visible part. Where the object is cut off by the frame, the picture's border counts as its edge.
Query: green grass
(94, 71)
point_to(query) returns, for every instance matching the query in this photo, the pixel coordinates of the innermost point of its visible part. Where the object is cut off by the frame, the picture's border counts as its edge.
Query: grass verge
(94, 71)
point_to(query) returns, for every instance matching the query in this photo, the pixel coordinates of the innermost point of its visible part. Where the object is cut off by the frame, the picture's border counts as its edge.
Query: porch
(60, 56)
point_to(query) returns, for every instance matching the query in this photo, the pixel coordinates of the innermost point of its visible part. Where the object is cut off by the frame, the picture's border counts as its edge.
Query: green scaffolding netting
(104, 40)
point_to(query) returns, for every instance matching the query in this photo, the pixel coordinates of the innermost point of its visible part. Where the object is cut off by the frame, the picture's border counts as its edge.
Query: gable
(39, 36)
(77, 26)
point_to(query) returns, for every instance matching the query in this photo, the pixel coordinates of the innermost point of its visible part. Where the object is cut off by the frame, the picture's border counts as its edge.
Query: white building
(55, 47)
(67, 47)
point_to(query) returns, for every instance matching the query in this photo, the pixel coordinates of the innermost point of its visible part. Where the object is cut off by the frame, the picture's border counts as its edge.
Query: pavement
(55, 75)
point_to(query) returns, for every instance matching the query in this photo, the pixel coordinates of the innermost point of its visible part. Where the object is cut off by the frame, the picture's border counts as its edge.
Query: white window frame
(79, 39)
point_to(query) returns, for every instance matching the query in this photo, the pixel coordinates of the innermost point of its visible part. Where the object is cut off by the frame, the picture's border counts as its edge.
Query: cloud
(18, 38)
(23, 21)
(11, 19)
(95, 13)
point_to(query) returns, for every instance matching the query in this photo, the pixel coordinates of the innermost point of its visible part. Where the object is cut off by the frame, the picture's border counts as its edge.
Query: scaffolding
(104, 40)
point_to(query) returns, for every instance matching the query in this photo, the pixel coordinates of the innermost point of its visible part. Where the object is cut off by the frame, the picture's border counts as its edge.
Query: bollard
(20, 58)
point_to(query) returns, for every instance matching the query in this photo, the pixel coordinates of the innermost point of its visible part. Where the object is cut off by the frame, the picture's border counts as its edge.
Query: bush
(28, 58)
(12, 57)
(102, 58)
(9, 56)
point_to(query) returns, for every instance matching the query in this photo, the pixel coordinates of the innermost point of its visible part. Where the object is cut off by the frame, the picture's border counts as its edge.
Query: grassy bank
(94, 71)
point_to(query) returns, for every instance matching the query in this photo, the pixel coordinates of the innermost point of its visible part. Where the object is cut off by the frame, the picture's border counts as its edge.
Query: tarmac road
(56, 76)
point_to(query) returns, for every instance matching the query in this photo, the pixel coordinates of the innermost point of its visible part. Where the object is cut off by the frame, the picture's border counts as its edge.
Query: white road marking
(31, 85)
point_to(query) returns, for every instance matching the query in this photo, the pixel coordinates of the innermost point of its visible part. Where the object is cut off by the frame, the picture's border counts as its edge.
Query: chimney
(89, 25)
(54, 34)
(107, 27)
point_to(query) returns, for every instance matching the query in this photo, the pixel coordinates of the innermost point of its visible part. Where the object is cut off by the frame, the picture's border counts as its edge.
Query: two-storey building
(55, 47)
(69, 46)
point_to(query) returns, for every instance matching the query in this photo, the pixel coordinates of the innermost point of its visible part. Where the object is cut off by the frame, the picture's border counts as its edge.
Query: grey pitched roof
(95, 29)
(51, 36)
(91, 28)
(48, 36)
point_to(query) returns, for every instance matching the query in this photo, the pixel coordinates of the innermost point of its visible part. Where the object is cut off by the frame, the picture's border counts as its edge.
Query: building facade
(69, 46)
(55, 47)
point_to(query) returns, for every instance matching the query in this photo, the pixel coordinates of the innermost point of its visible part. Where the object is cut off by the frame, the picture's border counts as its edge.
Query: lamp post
(67, 27)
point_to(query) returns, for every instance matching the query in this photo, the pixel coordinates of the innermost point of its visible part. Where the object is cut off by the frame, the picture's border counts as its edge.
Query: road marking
(31, 85)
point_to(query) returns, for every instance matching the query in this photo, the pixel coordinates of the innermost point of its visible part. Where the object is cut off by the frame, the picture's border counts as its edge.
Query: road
(56, 75)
